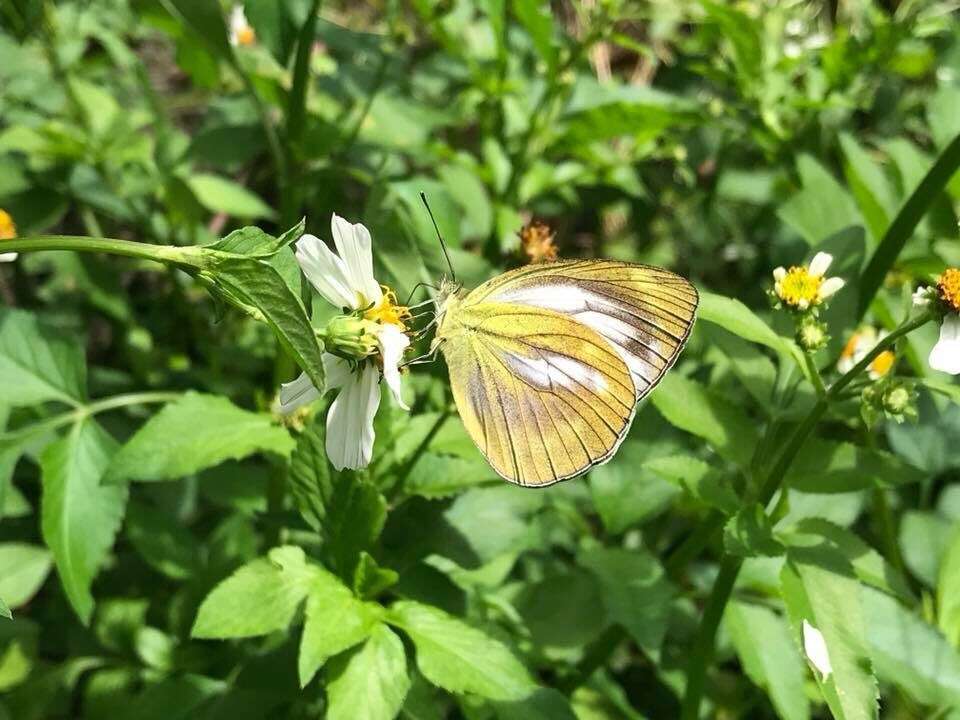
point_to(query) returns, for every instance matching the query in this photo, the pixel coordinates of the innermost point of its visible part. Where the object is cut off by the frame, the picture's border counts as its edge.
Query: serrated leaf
(256, 287)
(818, 587)
(690, 406)
(349, 512)
(769, 656)
(733, 316)
(369, 579)
(79, 516)
(702, 481)
(37, 363)
(635, 590)
(254, 242)
(193, 433)
(459, 658)
(259, 598)
(911, 654)
(371, 682)
(23, 569)
(749, 534)
(335, 621)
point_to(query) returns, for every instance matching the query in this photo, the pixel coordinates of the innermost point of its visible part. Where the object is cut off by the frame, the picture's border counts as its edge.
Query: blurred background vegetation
(719, 139)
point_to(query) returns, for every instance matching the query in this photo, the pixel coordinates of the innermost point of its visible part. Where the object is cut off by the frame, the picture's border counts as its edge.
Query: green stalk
(186, 256)
(730, 566)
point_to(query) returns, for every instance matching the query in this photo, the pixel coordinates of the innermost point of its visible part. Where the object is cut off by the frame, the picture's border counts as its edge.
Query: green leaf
(924, 539)
(641, 112)
(162, 541)
(336, 620)
(743, 33)
(251, 241)
(543, 704)
(910, 653)
(689, 406)
(869, 185)
(702, 481)
(23, 569)
(348, 512)
(749, 534)
(734, 316)
(206, 20)
(818, 586)
(769, 656)
(371, 682)
(369, 579)
(459, 658)
(256, 287)
(259, 598)
(79, 516)
(537, 18)
(193, 433)
(636, 593)
(37, 363)
(822, 207)
(5, 611)
(948, 591)
(218, 194)
(906, 220)
(868, 564)
(829, 467)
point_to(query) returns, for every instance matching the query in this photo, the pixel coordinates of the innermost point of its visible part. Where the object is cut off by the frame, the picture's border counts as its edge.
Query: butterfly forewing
(645, 312)
(548, 362)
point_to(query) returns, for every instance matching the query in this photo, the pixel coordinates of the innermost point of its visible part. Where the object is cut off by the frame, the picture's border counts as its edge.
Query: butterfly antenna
(453, 275)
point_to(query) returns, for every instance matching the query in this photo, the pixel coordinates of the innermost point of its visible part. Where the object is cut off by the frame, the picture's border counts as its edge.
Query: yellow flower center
(800, 288)
(8, 230)
(948, 287)
(882, 363)
(388, 311)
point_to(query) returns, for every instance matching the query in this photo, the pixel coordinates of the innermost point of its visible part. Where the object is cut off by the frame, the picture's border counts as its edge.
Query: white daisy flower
(945, 356)
(801, 288)
(374, 336)
(241, 33)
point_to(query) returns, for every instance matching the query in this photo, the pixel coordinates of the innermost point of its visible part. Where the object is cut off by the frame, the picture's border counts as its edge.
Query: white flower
(921, 296)
(803, 287)
(945, 355)
(8, 257)
(345, 279)
(240, 31)
(815, 648)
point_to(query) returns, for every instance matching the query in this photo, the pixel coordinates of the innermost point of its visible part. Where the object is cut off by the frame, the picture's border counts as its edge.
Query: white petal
(921, 297)
(815, 648)
(8, 257)
(779, 273)
(354, 245)
(337, 371)
(393, 342)
(297, 394)
(945, 355)
(830, 286)
(818, 266)
(325, 271)
(350, 421)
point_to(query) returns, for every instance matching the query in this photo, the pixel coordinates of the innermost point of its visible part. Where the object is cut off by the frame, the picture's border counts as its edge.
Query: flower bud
(350, 337)
(896, 400)
(812, 334)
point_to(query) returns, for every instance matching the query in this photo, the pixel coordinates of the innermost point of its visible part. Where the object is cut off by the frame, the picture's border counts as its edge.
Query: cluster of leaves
(202, 559)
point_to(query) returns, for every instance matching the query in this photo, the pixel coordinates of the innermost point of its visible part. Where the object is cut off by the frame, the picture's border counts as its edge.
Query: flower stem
(188, 256)
(730, 565)
(815, 376)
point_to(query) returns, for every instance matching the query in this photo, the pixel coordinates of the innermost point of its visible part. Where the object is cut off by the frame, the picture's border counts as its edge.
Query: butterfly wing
(645, 312)
(543, 396)
(548, 362)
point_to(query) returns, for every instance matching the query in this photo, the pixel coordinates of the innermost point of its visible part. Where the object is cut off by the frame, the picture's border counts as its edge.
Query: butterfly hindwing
(548, 362)
(543, 396)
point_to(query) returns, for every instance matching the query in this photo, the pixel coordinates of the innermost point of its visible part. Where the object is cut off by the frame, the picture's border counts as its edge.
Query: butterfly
(549, 362)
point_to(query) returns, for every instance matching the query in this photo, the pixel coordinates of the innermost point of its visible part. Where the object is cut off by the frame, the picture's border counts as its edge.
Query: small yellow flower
(388, 311)
(801, 288)
(8, 231)
(536, 241)
(860, 343)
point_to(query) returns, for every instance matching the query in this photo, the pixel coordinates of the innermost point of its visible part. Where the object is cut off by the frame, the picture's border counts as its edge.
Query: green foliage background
(170, 548)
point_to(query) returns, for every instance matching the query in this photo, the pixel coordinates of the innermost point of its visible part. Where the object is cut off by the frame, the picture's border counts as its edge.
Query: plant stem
(815, 376)
(730, 565)
(188, 256)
